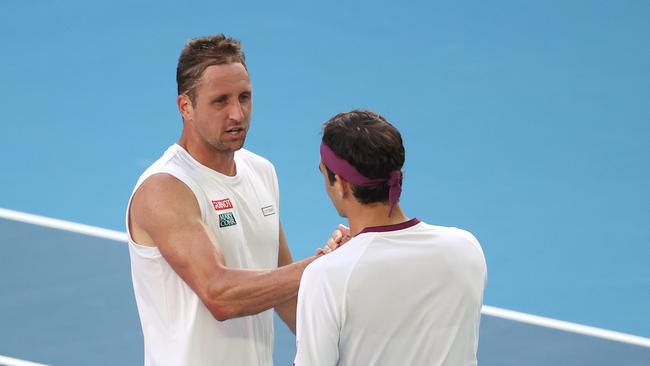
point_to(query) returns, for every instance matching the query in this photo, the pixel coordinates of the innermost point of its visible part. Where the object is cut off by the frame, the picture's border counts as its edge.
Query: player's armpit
(286, 310)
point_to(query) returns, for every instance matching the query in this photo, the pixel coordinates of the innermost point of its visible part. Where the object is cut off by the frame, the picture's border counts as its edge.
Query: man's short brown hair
(199, 54)
(369, 143)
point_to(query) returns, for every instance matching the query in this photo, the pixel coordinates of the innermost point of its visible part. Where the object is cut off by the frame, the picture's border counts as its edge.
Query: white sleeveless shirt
(242, 212)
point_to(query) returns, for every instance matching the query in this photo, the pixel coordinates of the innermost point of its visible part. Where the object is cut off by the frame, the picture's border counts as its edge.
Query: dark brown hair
(199, 54)
(371, 144)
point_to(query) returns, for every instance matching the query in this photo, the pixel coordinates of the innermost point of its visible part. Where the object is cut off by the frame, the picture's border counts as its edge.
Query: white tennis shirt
(406, 294)
(242, 213)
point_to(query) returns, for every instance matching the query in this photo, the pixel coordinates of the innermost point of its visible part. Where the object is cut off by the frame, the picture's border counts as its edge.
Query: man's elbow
(220, 308)
(222, 313)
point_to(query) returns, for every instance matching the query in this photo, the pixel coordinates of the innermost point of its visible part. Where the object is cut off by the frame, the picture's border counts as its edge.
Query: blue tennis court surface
(526, 123)
(68, 301)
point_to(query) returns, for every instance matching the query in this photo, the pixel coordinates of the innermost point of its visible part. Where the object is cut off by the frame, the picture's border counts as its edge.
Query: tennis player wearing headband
(400, 292)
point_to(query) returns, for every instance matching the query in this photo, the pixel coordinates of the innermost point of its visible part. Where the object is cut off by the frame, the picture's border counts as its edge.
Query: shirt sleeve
(318, 318)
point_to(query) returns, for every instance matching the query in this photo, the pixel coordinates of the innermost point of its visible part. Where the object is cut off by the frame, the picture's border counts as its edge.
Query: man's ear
(184, 106)
(342, 186)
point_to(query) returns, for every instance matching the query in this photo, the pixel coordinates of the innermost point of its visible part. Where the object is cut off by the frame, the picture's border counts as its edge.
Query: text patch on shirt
(268, 210)
(227, 219)
(223, 204)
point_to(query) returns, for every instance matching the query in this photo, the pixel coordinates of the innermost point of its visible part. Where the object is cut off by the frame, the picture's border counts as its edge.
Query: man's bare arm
(164, 213)
(286, 310)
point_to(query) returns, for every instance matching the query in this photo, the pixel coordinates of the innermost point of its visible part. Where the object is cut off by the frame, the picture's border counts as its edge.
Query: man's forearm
(239, 292)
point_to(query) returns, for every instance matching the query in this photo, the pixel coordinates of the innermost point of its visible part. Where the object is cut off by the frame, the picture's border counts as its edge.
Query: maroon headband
(352, 175)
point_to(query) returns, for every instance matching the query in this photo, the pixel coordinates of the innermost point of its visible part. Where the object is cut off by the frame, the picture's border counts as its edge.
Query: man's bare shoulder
(162, 200)
(161, 188)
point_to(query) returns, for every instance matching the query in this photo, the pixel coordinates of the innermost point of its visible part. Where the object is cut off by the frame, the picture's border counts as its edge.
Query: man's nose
(235, 111)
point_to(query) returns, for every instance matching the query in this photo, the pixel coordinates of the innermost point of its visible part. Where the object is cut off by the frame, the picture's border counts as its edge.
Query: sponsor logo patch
(227, 219)
(268, 210)
(223, 204)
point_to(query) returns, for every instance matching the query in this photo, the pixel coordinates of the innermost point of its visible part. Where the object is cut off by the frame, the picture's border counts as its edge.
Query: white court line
(566, 326)
(487, 310)
(63, 225)
(8, 361)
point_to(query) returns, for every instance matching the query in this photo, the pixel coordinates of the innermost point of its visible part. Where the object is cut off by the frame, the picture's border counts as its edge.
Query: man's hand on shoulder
(339, 237)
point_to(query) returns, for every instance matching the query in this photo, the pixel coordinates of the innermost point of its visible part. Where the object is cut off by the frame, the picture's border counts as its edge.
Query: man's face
(221, 111)
(332, 192)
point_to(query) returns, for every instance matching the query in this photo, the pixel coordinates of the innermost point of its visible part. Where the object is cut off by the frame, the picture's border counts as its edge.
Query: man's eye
(221, 100)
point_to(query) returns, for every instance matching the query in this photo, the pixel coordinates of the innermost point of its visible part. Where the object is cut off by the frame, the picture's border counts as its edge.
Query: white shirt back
(242, 213)
(407, 294)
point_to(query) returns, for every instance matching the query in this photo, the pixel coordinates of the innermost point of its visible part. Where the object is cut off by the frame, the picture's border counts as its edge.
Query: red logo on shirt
(222, 204)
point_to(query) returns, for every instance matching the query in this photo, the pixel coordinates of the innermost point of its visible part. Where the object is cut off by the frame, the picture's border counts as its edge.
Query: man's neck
(376, 214)
(220, 161)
